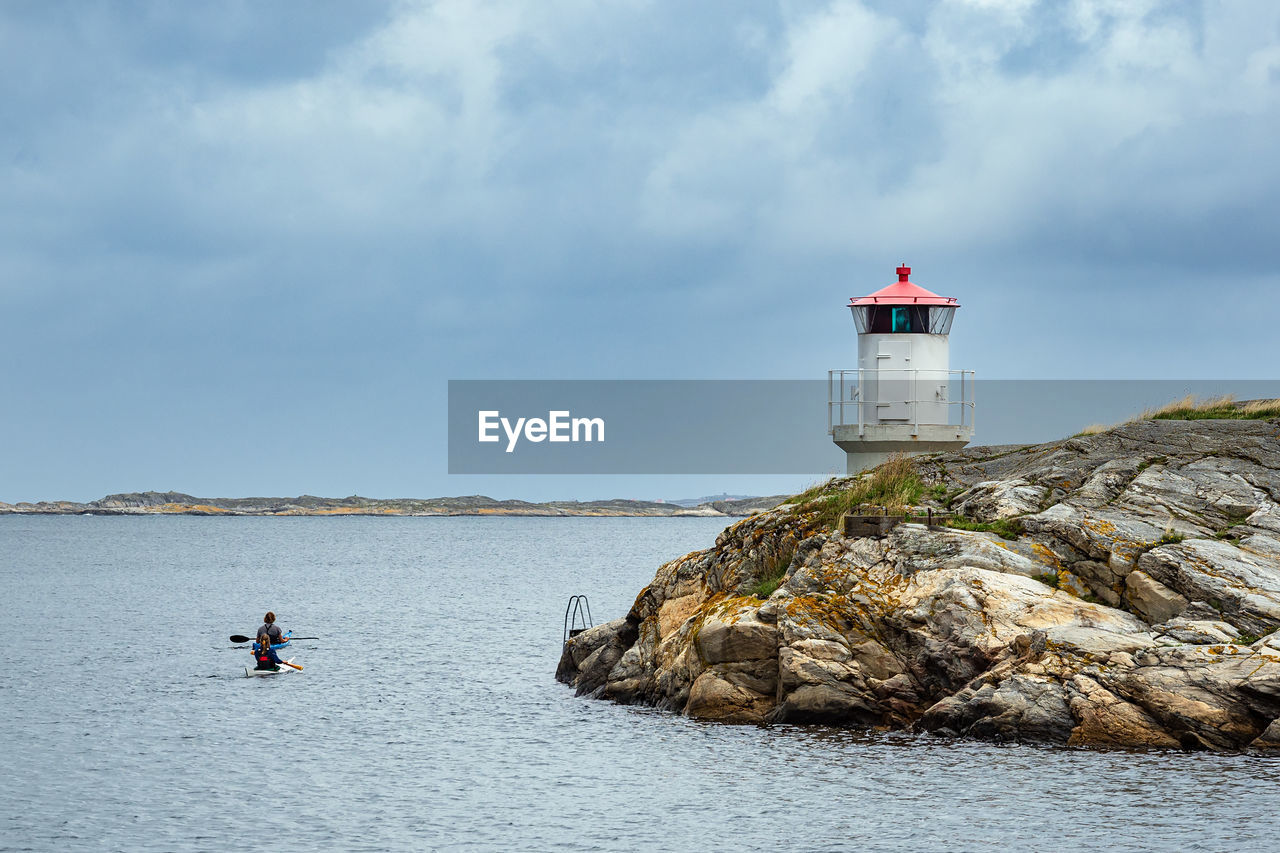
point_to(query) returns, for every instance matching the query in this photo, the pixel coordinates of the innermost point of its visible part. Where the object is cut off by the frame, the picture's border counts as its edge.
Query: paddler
(266, 657)
(271, 629)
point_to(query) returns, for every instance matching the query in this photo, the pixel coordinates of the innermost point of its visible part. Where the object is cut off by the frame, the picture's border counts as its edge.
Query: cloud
(990, 157)
(860, 128)
(406, 192)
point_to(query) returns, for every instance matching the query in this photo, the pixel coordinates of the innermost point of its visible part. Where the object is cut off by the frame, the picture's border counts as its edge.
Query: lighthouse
(903, 397)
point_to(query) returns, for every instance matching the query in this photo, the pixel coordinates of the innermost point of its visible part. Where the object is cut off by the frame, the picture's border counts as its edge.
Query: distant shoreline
(177, 503)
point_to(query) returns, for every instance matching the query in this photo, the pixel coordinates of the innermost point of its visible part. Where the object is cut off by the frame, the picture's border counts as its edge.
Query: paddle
(296, 666)
(241, 638)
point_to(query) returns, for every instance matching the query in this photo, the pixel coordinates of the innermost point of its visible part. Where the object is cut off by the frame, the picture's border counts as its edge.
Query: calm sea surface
(428, 717)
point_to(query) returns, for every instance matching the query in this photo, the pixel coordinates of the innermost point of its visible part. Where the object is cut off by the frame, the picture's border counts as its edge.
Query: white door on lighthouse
(893, 361)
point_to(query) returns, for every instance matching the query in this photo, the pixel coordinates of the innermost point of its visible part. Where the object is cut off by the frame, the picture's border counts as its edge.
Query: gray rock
(1151, 599)
(1244, 586)
(1197, 631)
(1022, 707)
(740, 637)
(1000, 499)
(588, 658)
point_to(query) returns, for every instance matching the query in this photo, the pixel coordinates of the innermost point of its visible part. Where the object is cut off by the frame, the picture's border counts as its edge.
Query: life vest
(263, 653)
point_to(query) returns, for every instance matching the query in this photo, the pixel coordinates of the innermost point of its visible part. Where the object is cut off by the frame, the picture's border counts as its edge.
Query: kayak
(250, 672)
(283, 644)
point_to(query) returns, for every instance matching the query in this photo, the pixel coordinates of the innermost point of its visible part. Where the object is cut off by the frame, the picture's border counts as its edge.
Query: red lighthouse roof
(903, 292)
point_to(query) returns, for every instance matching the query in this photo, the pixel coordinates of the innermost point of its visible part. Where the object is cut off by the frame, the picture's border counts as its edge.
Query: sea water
(427, 716)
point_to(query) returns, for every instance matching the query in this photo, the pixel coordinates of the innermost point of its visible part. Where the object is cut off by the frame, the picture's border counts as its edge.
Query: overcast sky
(243, 246)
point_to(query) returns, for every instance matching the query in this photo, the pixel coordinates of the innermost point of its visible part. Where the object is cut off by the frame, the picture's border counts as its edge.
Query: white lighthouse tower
(903, 397)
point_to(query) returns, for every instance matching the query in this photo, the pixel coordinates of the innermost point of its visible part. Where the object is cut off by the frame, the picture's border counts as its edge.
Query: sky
(245, 245)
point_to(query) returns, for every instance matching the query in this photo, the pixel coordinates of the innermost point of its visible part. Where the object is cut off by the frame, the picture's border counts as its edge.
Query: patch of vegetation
(1227, 532)
(1092, 429)
(943, 495)
(1050, 498)
(1005, 528)
(811, 493)
(1250, 639)
(1049, 579)
(1170, 537)
(1189, 408)
(894, 485)
(1016, 449)
(775, 569)
(766, 588)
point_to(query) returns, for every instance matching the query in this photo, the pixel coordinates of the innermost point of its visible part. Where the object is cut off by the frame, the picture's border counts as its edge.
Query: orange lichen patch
(1120, 545)
(829, 610)
(1046, 556)
(1101, 525)
(721, 603)
(732, 607)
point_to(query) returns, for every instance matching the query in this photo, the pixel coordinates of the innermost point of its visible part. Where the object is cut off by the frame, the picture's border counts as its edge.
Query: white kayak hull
(251, 673)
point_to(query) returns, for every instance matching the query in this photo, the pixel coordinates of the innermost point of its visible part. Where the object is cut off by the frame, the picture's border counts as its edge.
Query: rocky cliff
(1110, 589)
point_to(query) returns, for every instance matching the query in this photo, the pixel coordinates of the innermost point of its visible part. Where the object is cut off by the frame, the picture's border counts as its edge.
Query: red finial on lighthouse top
(904, 292)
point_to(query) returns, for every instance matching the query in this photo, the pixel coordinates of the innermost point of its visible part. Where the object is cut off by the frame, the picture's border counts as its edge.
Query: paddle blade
(241, 638)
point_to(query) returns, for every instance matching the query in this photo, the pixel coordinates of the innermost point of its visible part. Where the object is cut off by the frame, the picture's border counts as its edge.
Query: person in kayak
(271, 629)
(266, 657)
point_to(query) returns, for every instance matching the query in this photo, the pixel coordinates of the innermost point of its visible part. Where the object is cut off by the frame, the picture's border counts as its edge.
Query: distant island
(177, 503)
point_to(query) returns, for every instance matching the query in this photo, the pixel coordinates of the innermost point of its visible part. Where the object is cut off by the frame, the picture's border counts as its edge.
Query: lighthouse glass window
(860, 318)
(940, 320)
(898, 319)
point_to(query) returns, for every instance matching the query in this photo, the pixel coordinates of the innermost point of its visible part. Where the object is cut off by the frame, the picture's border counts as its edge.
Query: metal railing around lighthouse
(844, 396)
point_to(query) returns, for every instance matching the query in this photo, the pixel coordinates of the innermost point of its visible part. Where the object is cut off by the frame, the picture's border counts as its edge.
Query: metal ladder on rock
(577, 616)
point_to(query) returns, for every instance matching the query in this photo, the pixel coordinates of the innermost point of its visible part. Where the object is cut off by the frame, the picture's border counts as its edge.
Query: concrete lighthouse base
(867, 446)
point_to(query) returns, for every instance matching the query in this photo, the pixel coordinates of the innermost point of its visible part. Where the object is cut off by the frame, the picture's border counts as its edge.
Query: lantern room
(903, 308)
